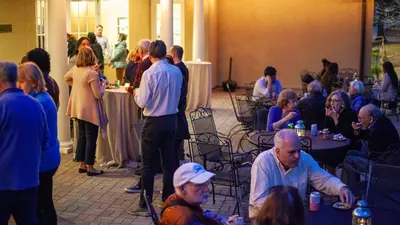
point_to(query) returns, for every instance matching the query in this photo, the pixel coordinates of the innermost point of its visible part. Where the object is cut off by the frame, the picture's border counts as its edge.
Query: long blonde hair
(30, 72)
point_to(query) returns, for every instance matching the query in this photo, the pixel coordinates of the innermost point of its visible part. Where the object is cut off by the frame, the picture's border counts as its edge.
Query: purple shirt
(275, 114)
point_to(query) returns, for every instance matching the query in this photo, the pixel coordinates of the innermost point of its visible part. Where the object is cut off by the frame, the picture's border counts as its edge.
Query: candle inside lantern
(127, 84)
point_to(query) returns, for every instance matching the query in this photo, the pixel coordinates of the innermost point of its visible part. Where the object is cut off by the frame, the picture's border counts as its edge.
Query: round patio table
(321, 149)
(328, 215)
(318, 144)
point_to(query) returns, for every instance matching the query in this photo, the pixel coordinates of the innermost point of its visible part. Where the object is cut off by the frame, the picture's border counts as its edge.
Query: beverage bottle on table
(314, 130)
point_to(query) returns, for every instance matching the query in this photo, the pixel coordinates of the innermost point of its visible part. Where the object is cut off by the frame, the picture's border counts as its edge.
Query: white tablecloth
(199, 88)
(121, 144)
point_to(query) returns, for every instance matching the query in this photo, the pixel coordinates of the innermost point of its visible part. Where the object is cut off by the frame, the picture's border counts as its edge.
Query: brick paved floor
(80, 199)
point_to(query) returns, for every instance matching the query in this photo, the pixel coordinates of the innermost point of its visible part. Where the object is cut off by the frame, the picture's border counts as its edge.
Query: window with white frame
(178, 21)
(82, 17)
(41, 23)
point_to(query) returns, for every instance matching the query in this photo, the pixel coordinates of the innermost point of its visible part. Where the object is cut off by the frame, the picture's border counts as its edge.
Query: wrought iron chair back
(229, 166)
(266, 141)
(384, 171)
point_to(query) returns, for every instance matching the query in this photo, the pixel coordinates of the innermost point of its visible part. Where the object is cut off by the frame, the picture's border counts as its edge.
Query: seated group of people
(279, 179)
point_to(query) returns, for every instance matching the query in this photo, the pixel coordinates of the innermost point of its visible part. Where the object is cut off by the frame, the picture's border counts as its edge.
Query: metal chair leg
(213, 192)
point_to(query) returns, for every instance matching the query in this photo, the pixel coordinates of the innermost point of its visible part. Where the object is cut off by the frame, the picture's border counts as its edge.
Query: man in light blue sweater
(23, 136)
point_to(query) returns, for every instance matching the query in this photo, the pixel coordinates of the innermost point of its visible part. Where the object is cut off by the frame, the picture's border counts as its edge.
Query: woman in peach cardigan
(85, 105)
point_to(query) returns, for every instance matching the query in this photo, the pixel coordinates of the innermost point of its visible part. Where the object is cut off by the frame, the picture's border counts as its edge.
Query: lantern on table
(362, 215)
(300, 128)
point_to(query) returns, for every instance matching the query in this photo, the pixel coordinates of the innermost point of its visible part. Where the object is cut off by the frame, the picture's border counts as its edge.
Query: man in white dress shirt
(103, 41)
(287, 164)
(159, 93)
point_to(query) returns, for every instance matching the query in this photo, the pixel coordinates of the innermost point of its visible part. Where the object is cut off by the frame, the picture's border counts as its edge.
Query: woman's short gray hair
(314, 87)
(358, 86)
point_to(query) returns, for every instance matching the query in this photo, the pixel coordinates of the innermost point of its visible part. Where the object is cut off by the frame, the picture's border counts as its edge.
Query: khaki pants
(120, 74)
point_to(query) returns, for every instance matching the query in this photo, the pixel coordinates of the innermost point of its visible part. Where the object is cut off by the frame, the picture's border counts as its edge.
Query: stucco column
(57, 43)
(166, 30)
(198, 30)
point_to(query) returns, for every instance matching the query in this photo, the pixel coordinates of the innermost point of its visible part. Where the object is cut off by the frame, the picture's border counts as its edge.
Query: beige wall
(139, 21)
(21, 14)
(289, 35)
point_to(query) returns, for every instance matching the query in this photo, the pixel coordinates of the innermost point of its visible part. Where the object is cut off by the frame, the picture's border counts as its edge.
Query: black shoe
(82, 170)
(92, 174)
(134, 189)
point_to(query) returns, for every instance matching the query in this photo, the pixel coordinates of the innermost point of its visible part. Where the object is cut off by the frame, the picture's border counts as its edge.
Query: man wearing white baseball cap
(191, 183)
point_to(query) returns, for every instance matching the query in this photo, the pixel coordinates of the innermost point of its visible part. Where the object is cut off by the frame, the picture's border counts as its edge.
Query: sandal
(98, 172)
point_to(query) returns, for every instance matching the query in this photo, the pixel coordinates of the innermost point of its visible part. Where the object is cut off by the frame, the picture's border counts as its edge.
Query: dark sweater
(130, 72)
(380, 136)
(98, 52)
(346, 118)
(143, 66)
(312, 110)
(182, 131)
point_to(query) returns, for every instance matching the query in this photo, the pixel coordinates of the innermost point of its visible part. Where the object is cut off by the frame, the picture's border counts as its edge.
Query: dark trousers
(158, 136)
(86, 147)
(356, 162)
(180, 150)
(20, 204)
(46, 212)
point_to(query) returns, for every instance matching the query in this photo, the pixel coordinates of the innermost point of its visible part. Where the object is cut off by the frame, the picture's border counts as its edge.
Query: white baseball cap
(191, 172)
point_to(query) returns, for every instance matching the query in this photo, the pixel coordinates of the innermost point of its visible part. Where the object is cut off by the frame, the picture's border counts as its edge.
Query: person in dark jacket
(98, 51)
(325, 65)
(72, 43)
(356, 91)
(42, 59)
(330, 77)
(339, 117)
(133, 63)
(182, 132)
(377, 133)
(143, 51)
(312, 108)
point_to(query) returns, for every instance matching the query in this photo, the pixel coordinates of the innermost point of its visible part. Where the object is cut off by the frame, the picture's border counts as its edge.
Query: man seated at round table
(312, 107)
(268, 84)
(287, 164)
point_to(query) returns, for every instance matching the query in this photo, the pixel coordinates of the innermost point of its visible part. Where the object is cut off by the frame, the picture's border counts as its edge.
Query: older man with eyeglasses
(287, 164)
(191, 182)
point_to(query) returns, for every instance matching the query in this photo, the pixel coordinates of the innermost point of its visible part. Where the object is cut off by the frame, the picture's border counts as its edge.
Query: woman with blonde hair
(85, 105)
(284, 112)
(31, 81)
(133, 62)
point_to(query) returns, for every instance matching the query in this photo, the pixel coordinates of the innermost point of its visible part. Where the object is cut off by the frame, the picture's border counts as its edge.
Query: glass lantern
(300, 128)
(362, 215)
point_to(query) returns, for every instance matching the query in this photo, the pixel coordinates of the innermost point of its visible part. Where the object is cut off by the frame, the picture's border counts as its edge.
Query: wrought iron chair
(215, 153)
(302, 74)
(383, 173)
(266, 141)
(390, 105)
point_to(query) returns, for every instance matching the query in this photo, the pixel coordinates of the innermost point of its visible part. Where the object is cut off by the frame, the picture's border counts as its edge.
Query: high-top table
(199, 88)
(121, 146)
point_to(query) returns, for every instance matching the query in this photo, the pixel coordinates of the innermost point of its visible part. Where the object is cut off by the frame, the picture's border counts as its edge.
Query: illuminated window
(83, 17)
(178, 21)
(41, 24)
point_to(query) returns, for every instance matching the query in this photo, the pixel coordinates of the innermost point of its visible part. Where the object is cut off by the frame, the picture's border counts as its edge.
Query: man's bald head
(369, 114)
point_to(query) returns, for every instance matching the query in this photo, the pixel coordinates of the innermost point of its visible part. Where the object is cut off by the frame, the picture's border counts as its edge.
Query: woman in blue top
(356, 91)
(283, 113)
(31, 81)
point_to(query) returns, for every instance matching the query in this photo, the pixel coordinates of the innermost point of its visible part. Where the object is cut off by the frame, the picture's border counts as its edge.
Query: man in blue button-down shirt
(159, 93)
(268, 84)
(23, 136)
